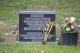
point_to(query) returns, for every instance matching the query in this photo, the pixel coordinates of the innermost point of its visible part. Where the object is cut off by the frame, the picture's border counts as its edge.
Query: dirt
(2, 24)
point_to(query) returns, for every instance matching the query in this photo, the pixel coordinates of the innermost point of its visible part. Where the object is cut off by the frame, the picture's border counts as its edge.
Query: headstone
(31, 25)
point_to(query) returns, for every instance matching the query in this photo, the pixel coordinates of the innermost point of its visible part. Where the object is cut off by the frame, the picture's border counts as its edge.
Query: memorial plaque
(31, 25)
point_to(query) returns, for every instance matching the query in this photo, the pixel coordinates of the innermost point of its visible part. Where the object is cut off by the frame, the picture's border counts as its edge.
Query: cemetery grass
(37, 48)
(12, 18)
(9, 15)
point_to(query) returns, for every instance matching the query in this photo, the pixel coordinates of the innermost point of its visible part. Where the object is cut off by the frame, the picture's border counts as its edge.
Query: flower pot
(69, 38)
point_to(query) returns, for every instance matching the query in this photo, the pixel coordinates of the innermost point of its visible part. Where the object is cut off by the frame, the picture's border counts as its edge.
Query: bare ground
(3, 24)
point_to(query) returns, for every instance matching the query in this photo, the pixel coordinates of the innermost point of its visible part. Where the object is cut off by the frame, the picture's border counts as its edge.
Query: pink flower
(73, 24)
(66, 19)
(69, 22)
(70, 25)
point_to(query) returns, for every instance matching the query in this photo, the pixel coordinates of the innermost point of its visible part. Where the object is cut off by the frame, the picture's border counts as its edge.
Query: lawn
(37, 48)
(9, 11)
(9, 15)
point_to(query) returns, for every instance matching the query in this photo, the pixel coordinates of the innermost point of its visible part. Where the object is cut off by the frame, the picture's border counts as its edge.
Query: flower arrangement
(70, 25)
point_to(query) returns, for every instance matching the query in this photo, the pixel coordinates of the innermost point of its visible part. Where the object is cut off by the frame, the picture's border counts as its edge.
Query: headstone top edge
(37, 12)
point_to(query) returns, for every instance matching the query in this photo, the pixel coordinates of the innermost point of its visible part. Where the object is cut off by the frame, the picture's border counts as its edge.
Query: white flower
(73, 19)
(68, 29)
(72, 27)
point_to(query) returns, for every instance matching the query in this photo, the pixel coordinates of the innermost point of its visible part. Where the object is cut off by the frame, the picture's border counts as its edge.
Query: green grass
(38, 48)
(10, 17)
(9, 13)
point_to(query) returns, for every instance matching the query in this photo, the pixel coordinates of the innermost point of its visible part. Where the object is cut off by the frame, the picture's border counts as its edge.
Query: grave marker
(31, 25)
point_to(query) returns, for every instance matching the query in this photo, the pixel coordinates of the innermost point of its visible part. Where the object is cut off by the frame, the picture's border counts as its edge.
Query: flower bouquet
(70, 25)
(69, 32)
